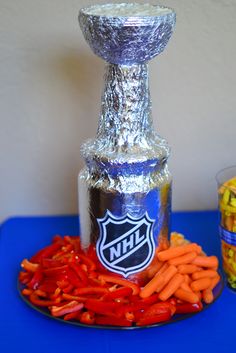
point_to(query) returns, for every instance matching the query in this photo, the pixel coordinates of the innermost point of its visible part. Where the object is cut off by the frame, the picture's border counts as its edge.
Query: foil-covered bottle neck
(125, 118)
(125, 131)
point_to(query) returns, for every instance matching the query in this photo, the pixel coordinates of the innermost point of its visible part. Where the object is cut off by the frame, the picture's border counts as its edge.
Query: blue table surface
(23, 329)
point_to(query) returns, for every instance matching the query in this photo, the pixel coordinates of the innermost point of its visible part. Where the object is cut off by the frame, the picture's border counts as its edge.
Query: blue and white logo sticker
(125, 244)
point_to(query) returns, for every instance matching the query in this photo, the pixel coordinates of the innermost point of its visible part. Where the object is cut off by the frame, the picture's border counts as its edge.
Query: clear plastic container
(226, 180)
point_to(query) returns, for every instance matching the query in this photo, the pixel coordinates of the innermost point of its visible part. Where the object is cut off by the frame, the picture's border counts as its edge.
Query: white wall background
(50, 87)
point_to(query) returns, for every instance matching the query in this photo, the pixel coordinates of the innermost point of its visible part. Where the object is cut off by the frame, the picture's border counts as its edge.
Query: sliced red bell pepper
(121, 282)
(87, 317)
(29, 266)
(46, 252)
(150, 300)
(88, 261)
(118, 293)
(41, 302)
(150, 320)
(40, 293)
(56, 293)
(71, 316)
(138, 305)
(100, 307)
(52, 272)
(73, 278)
(66, 309)
(48, 286)
(187, 308)
(112, 321)
(91, 290)
(27, 291)
(68, 289)
(80, 273)
(36, 279)
(50, 263)
(25, 277)
(159, 308)
(74, 297)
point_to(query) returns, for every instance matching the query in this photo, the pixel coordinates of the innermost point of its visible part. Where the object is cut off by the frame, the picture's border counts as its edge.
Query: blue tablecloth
(24, 330)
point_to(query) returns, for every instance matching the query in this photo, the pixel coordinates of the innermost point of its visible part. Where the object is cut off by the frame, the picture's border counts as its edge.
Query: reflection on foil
(126, 169)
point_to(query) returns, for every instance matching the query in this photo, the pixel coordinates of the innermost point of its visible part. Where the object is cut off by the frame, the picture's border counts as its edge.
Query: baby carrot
(200, 284)
(151, 286)
(186, 287)
(205, 261)
(207, 296)
(184, 259)
(187, 296)
(187, 279)
(204, 274)
(214, 282)
(171, 287)
(189, 268)
(153, 269)
(163, 268)
(167, 274)
(178, 251)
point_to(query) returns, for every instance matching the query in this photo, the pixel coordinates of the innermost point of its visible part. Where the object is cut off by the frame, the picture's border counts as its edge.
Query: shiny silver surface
(126, 170)
(127, 39)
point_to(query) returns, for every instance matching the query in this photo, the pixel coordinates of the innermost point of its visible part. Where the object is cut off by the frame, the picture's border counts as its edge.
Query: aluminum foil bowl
(127, 33)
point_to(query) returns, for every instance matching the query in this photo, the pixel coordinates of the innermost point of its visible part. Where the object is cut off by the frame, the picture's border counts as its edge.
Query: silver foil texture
(125, 187)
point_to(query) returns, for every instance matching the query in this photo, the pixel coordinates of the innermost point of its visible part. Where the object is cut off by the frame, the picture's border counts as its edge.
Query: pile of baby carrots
(73, 285)
(185, 273)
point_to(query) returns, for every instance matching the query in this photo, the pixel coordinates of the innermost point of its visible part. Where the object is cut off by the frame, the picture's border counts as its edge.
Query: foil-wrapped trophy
(125, 187)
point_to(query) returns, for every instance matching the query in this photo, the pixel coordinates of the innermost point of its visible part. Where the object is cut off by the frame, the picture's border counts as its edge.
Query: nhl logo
(125, 244)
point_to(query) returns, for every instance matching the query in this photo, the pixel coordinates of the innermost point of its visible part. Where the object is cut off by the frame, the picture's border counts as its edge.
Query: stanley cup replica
(125, 187)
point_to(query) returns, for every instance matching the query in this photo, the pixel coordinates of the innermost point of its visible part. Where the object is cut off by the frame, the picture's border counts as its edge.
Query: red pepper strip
(68, 289)
(27, 291)
(40, 293)
(137, 305)
(120, 281)
(62, 284)
(46, 252)
(91, 290)
(99, 307)
(25, 277)
(75, 241)
(41, 302)
(149, 320)
(147, 301)
(87, 317)
(88, 261)
(118, 293)
(159, 308)
(188, 308)
(80, 273)
(54, 271)
(73, 278)
(29, 266)
(71, 316)
(48, 286)
(105, 320)
(36, 279)
(172, 301)
(56, 293)
(66, 309)
(50, 263)
(74, 297)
